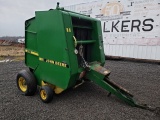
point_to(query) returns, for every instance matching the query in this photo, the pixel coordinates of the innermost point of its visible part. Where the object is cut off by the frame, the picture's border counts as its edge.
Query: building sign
(126, 22)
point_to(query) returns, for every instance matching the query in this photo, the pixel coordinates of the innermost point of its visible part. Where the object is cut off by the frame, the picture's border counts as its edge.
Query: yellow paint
(32, 52)
(22, 84)
(43, 94)
(75, 41)
(63, 65)
(41, 59)
(43, 83)
(58, 90)
(47, 84)
(57, 63)
(26, 50)
(50, 61)
(54, 62)
(69, 30)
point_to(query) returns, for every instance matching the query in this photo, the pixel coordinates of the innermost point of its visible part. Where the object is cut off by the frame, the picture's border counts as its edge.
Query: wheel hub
(43, 94)
(22, 84)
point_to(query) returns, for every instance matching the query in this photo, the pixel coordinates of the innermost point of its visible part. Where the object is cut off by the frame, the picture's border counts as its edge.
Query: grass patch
(11, 51)
(20, 58)
(14, 53)
(2, 58)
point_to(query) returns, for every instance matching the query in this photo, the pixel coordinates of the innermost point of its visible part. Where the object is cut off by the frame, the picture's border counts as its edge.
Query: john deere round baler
(62, 50)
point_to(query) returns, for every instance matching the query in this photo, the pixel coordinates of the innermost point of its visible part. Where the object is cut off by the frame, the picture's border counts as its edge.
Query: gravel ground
(87, 102)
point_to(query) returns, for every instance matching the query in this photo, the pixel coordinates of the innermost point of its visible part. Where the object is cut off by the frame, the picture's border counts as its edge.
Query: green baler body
(50, 46)
(64, 47)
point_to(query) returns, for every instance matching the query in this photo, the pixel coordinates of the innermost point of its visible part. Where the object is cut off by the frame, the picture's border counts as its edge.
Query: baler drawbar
(62, 49)
(96, 74)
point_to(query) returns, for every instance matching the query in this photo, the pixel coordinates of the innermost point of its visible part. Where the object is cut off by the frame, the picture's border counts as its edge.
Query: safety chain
(84, 64)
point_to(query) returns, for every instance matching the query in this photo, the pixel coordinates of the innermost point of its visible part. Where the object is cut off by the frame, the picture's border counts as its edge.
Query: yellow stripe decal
(32, 52)
(41, 59)
(68, 29)
(61, 64)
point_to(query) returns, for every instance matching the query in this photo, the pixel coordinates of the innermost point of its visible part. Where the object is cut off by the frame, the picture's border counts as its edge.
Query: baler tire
(26, 83)
(46, 94)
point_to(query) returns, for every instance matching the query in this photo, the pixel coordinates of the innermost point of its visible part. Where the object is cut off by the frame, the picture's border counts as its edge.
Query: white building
(131, 28)
(21, 40)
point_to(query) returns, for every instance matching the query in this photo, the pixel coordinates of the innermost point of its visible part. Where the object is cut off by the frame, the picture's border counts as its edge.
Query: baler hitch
(128, 95)
(99, 75)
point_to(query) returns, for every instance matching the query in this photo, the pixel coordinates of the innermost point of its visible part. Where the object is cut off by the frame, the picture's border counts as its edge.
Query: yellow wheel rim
(43, 94)
(22, 84)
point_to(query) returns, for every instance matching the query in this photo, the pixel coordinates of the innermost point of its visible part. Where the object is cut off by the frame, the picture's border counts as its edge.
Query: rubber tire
(49, 93)
(30, 82)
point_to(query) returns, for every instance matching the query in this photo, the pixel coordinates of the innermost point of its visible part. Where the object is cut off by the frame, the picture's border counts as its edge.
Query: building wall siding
(141, 42)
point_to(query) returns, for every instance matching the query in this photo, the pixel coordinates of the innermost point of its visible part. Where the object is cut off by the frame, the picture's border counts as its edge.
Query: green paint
(50, 49)
(50, 34)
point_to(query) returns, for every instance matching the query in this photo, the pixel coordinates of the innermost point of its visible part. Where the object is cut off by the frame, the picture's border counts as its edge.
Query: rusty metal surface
(118, 87)
(101, 70)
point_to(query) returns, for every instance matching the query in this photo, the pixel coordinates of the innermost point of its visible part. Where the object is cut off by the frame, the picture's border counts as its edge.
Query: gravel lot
(87, 102)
